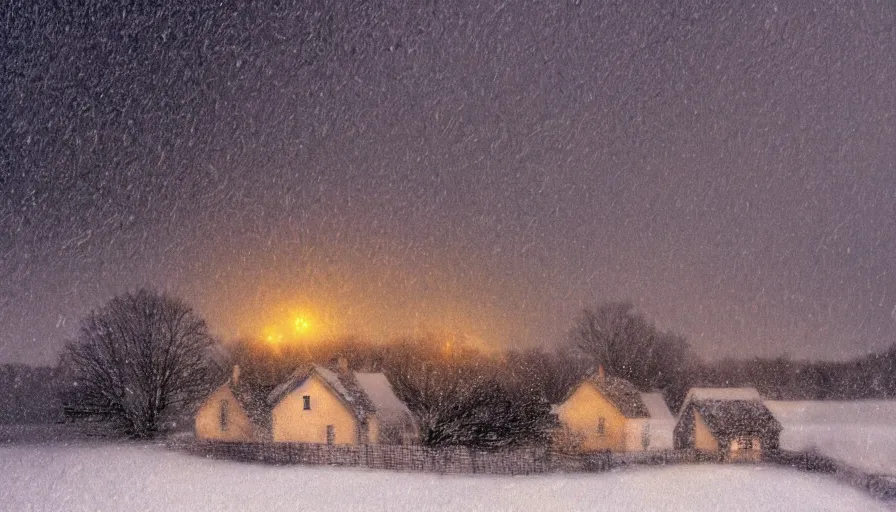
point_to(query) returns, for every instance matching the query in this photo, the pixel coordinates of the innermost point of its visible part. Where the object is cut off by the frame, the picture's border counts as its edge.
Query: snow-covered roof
(723, 394)
(719, 395)
(343, 386)
(389, 408)
(729, 411)
(621, 393)
(281, 390)
(333, 380)
(728, 418)
(656, 407)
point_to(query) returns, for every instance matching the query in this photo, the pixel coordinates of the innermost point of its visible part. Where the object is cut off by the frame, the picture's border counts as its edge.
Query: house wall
(661, 437)
(373, 429)
(580, 413)
(659, 434)
(737, 444)
(634, 429)
(291, 423)
(703, 438)
(208, 425)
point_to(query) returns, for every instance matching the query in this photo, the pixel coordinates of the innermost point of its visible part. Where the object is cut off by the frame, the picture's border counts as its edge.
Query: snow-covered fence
(455, 459)
(663, 457)
(517, 461)
(452, 459)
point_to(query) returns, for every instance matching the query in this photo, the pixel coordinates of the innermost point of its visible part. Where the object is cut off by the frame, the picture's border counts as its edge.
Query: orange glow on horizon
(291, 325)
(284, 322)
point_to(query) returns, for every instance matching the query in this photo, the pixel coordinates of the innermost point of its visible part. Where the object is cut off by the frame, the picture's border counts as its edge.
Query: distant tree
(135, 359)
(549, 375)
(458, 399)
(627, 345)
(24, 392)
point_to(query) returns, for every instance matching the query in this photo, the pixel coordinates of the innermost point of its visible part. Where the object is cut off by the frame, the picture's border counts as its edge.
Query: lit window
(306, 402)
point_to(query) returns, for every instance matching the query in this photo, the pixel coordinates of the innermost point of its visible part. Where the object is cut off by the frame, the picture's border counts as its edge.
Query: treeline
(869, 377)
(630, 346)
(460, 396)
(29, 394)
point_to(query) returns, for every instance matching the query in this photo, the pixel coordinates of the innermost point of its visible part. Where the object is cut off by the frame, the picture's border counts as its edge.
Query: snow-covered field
(859, 433)
(99, 476)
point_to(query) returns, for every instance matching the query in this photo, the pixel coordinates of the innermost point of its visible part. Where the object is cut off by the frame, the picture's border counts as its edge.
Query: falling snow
(484, 169)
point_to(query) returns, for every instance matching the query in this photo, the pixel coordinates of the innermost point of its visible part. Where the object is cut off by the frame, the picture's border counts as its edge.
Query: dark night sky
(480, 170)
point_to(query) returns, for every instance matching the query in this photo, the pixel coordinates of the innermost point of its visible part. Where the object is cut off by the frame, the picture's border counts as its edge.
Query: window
(306, 403)
(601, 426)
(645, 436)
(224, 406)
(746, 443)
(331, 434)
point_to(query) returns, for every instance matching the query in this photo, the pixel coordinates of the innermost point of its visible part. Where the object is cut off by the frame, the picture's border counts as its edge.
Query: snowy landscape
(89, 477)
(466, 255)
(53, 468)
(859, 433)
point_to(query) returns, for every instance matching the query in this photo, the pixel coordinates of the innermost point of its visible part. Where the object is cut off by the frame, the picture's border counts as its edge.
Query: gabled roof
(727, 418)
(656, 407)
(345, 387)
(731, 411)
(624, 395)
(253, 401)
(294, 380)
(389, 408)
(620, 392)
(698, 394)
(722, 394)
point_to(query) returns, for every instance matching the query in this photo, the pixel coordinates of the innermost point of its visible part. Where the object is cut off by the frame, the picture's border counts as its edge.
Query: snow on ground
(40, 477)
(859, 433)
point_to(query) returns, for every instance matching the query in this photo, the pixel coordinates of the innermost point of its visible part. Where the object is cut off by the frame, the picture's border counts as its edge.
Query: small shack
(732, 420)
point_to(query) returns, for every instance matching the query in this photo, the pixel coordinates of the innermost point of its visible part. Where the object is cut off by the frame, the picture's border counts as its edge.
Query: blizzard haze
(475, 169)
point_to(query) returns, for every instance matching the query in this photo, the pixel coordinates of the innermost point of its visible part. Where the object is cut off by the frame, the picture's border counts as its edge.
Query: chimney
(601, 375)
(235, 379)
(342, 365)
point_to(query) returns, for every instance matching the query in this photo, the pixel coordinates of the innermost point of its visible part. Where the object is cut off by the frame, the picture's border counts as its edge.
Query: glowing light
(272, 335)
(302, 325)
(286, 326)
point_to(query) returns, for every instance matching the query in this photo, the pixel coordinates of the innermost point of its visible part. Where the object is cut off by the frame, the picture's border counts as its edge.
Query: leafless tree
(547, 374)
(459, 398)
(135, 359)
(628, 346)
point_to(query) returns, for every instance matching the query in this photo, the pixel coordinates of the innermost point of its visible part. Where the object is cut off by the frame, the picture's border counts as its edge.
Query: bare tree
(458, 398)
(546, 374)
(628, 346)
(138, 357)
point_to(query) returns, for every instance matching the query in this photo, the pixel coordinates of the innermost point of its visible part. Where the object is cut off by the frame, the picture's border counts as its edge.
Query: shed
(733, 420)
